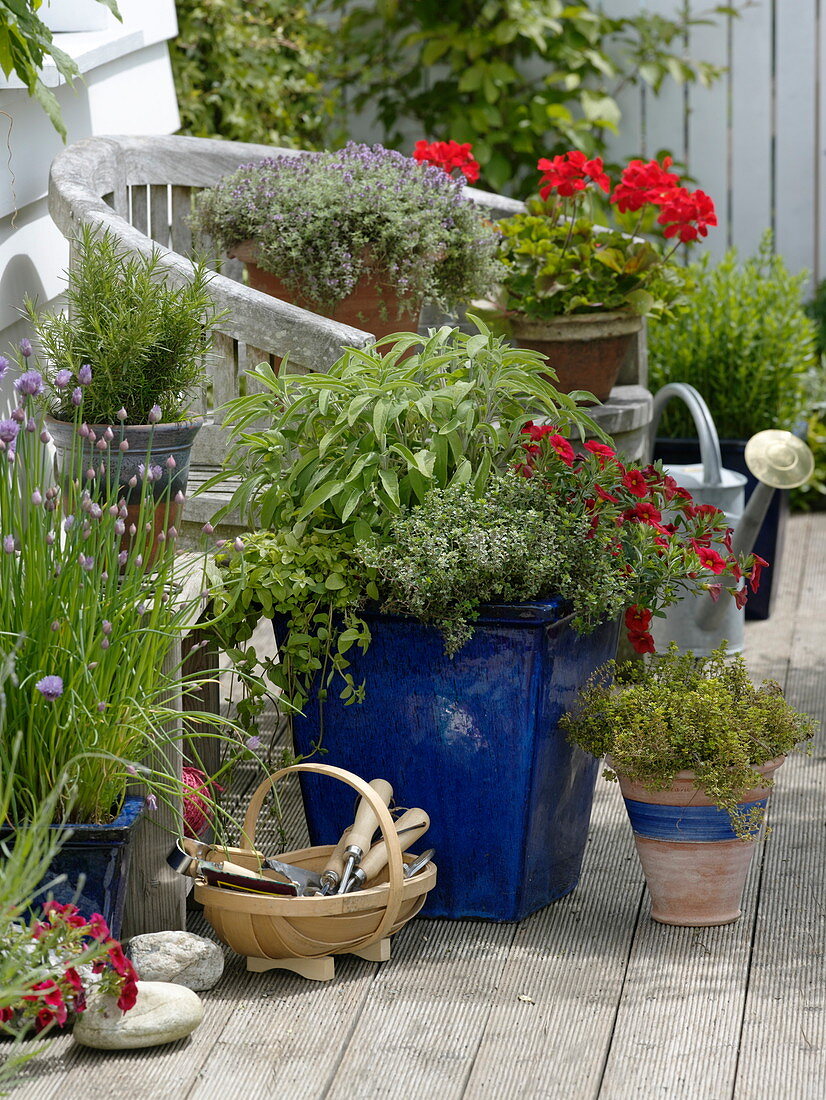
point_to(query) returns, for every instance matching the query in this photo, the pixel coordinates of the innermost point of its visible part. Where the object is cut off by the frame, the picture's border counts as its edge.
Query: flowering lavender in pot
(325, 225)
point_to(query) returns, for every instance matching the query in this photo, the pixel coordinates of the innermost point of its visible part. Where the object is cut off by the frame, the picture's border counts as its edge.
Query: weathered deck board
(622, 1007)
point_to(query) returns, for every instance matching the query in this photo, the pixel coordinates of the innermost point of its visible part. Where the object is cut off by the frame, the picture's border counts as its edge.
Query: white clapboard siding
(753, 140)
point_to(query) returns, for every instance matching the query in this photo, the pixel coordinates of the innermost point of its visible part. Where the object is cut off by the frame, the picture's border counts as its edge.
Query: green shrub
(518, 80)
(745, 343)
(248, 70)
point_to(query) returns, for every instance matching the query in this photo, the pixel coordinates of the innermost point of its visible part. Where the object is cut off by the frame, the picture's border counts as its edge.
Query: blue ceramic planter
(473, 740)
(102, 854)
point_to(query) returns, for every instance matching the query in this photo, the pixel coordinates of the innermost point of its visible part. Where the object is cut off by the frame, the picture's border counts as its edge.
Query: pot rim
(765, 766)
(193, 422)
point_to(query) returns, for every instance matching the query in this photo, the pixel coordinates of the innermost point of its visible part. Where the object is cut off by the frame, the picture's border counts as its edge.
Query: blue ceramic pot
(102, 854)
(474, 741)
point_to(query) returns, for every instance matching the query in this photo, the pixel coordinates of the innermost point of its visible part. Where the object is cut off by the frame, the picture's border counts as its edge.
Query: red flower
(128, 994)
(635, 483)
(45, 1017)
(644, 512)
(643, 183)
(563, 448)
(98, 927)
(601, 493)
(687, 214)
(448, 155)
(715, 591)
(571, 172)
(709, 559)
(741, 596)
(642, 641)
(6, 1014)
(759, 565)
(599, 449)
(120, 964)
(638, 618)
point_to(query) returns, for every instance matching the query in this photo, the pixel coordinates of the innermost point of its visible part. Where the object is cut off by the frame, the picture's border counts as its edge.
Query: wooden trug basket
(302, 934)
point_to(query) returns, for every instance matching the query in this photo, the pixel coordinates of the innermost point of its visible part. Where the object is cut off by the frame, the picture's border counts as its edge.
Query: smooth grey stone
(180, 957)
(163, 1013)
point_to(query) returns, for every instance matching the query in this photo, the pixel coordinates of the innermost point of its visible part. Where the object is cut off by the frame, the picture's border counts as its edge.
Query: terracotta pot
(586, 350)
(372, 306)
(694, 864)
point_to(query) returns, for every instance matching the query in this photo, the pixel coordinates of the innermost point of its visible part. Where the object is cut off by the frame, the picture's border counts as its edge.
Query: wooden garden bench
(141, 188)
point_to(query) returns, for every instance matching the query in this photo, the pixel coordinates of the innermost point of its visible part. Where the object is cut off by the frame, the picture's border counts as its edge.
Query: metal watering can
(779, 460)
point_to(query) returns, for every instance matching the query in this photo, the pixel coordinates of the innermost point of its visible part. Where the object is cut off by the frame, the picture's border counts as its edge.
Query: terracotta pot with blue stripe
(695, 866)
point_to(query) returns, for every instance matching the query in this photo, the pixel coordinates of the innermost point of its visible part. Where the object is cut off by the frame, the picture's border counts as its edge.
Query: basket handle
(395, 863)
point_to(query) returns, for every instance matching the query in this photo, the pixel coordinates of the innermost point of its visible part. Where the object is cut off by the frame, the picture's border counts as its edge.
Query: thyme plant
(678, 712)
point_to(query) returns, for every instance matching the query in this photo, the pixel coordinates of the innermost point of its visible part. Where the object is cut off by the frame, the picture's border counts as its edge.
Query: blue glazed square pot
(474, 741)
(102, 854)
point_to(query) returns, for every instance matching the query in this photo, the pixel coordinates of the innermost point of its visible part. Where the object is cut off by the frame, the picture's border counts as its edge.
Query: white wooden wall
(756, 140)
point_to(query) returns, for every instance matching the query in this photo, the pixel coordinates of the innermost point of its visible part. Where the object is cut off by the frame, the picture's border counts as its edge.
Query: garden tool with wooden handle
(360, 834)
(409, 828)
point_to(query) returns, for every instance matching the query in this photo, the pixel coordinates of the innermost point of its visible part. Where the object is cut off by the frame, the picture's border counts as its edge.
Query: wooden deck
(588, 998)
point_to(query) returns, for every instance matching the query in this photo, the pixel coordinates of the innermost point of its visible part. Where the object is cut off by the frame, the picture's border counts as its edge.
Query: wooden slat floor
(588, 998)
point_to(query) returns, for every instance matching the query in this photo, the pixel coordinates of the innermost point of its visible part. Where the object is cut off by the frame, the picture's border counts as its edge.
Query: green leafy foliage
(340, 456)
(26, 43)
(251, 70)
(144, 339)
(745, 344)
(518, 80)
(349, 449)
(557, 267)
(677, 712)
(322, 220)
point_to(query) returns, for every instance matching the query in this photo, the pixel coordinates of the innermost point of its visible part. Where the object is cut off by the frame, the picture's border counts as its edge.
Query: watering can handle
(703, 422)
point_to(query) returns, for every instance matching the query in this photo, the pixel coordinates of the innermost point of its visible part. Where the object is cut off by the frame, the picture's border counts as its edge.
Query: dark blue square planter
(771, 536)
(474, 741)
(102, 854)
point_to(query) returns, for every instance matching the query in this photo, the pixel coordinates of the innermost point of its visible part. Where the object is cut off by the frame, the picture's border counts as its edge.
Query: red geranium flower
(570, 172)
(643, 183)
(448, 155)
(687, 214)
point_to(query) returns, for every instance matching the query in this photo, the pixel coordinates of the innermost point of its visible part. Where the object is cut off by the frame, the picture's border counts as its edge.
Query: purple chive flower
(9, 430)
(101, 707)
(173, 532)
(87, 563)
(171, 463)
(131, 769)
(50, 538)
(161, 536)
(133, 481)
(83, 431)
(68, 523)
(18, 414)
(238, 545)
(179, 497)
(95, 511)
(45, 437)
(154, 414)
(90, 474)
(138, 564)
(84, 375)
(37, 497)
(104, 643)
(155, 473)
(8, 544)
(121, 414)
(133, 530)
(123, 446)
(253, 743)
(62, 379)
(123, 557)
(120, 526)
(50, 687)
(25, 348)
(108, 435)
(208, 529)
(4, 365)
(151, 802)
(106, 626)
(102, 445)
(77, 396)
(29, 384)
